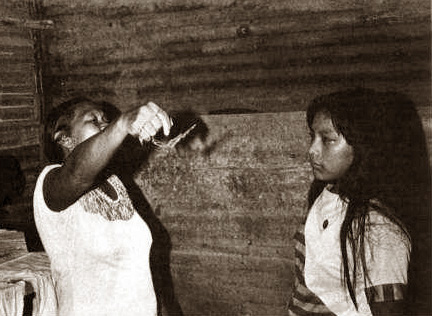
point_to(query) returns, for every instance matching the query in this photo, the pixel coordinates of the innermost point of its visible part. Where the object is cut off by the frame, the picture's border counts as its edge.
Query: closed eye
(97, 119)
(94, 120)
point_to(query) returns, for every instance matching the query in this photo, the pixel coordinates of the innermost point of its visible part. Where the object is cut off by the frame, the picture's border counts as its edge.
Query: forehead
(323, 123)
(85, 108)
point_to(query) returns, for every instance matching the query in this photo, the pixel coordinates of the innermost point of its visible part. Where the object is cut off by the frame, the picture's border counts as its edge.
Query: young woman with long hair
(364, 248)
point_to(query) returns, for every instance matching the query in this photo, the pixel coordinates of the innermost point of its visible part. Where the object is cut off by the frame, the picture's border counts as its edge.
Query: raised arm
(64, 185)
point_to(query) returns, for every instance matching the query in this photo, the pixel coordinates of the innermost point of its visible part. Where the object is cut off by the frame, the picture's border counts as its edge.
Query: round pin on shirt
(325, 224)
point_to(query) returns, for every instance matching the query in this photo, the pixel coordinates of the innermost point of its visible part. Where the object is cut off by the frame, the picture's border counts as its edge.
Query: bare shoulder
(53, 190)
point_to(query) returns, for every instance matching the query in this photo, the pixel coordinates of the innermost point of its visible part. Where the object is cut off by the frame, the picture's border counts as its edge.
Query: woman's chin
(318, 175)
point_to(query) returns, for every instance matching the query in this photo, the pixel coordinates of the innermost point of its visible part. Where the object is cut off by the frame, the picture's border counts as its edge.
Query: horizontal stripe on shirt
(386, 292)
(303, 301)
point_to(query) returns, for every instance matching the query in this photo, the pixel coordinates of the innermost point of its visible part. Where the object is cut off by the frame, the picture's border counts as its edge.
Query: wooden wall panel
(19, 110)
(15, 9)
(12, 245)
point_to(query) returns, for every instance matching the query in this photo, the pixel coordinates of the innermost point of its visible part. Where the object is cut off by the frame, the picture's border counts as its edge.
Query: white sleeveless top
(100, 265)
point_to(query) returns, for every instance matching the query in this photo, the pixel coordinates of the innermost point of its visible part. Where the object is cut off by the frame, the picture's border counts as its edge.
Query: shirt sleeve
(387, 254)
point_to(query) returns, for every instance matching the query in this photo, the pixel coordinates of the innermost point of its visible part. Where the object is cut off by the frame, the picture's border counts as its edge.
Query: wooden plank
(16, 99)
(13, 31)
(165, 5)
(25, 134)
(204, 37)
(14, 8)
(277, 98)
(17, 88)
(15, 41)
(16, 68)
(196, 25)
(394, 57)
(242, 79)
(12, 245)
(286, 43)
(18, 113)
(119, 9)
(16, 54)
(280, 96)
(18, 78)
(271, 54)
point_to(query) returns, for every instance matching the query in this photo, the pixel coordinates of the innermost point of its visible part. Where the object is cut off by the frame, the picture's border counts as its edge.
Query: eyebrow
(89, 112)
(325, 131)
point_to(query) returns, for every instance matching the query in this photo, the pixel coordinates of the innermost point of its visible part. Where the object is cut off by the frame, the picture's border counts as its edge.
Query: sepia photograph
(215, 158)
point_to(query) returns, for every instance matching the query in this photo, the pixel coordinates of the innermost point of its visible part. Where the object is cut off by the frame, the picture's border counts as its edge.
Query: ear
(63, 140)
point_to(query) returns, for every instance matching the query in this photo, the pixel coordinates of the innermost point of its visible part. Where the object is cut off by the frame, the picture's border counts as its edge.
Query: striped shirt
(318, 288)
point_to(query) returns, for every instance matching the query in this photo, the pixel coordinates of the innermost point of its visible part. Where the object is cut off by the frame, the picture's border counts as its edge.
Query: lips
(316, 165)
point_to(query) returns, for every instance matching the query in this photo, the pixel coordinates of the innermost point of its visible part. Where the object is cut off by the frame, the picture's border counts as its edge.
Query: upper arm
(388, 257)
(60, 189)
(387, 251)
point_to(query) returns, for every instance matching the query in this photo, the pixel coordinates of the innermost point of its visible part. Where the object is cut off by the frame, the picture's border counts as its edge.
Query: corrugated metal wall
(216, 55)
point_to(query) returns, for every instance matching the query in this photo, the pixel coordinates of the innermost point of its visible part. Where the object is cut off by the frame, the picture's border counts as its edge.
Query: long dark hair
(390, 165)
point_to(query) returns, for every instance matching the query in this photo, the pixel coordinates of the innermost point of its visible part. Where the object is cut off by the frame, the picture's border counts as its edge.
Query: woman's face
(87, 122)
(329, 153)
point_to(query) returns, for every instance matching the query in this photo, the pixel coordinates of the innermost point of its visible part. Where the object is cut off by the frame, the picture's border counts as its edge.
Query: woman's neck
(332, 187)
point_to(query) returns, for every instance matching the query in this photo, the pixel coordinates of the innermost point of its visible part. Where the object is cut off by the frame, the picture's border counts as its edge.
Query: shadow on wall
(126, 163)
(12, 185)
(12, 180)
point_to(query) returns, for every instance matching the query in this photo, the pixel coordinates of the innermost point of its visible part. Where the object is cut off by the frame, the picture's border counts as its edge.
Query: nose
(314, 150)
(102, 126)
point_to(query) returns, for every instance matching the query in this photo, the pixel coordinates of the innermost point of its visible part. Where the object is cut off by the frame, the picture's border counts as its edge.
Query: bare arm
(63, 186)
